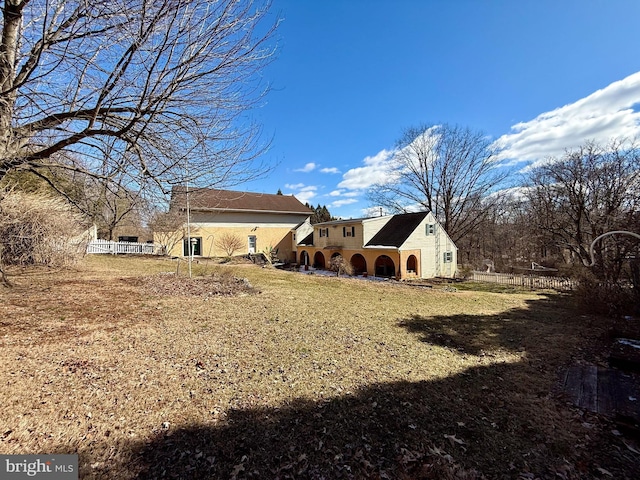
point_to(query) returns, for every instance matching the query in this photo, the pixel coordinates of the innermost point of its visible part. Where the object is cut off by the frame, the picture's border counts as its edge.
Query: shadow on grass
(493, 420)
(515, 330)
(450, 428)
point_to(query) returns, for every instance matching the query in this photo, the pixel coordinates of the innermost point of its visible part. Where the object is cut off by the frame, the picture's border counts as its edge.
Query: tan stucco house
(259, 221)
(401, 246)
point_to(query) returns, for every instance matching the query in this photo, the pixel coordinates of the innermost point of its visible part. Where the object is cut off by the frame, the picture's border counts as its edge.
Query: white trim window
(447, 257)
(349, 231)
(324, 232)
(430, 229)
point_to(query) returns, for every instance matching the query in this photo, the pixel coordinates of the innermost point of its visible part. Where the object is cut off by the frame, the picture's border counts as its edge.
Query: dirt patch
(169, 284)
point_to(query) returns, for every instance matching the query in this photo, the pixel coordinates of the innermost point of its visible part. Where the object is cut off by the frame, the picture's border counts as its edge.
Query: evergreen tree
(320, 213)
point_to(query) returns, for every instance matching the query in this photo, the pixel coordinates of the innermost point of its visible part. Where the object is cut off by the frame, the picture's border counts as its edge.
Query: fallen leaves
(168, 284)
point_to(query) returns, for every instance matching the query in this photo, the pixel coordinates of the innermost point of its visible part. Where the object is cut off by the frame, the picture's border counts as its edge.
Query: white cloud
(305, 192)
(340, 203)
(377, 169)
(305, 195)
(309, 167)
(330, 170)
(605, 114)
(335, 193)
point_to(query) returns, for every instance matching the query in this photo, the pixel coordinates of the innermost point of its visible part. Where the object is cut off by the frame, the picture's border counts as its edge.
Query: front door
(252, 244)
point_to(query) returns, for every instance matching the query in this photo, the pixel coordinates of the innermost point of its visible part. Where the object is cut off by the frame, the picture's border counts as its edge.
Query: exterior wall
(432, 249)
(404, 257)
(370, 256)
(364, 231)
(270, 230)
(336, 236)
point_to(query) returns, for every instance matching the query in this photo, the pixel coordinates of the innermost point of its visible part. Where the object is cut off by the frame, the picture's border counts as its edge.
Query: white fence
(106, 246)
(526, 281)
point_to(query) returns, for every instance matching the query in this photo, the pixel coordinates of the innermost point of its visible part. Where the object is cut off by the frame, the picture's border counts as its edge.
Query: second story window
(324, 232)
(348, 231)
(430, 229)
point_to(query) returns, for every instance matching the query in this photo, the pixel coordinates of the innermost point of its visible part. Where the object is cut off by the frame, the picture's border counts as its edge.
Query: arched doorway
(318, 260)
(412, 264)
(359, 264)
(385, 267)
(304, 258)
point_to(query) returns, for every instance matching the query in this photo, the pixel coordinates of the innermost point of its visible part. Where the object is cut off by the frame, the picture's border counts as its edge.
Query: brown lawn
(149, 375)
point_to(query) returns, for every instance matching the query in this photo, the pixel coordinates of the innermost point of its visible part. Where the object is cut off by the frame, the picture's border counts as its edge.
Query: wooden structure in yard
(607, 391)
(526, 281)
(114, 248)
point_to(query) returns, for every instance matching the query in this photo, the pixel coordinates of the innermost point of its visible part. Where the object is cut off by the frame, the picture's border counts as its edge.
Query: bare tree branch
(170, 80)
(448, 170)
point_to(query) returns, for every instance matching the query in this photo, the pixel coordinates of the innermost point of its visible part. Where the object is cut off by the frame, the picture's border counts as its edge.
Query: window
(196, 246)
(348, 231)
(324, 232)
(448, 257)
(431, 229)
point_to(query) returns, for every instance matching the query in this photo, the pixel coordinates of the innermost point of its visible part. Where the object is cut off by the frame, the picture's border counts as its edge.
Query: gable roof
(396, 231)
(308, 240)
(208, 199)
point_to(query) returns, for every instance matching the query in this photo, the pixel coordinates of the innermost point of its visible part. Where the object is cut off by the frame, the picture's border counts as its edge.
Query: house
(401, 246)
(225, 220)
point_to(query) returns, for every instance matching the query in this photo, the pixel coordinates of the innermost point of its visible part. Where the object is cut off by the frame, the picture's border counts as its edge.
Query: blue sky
(349, 76)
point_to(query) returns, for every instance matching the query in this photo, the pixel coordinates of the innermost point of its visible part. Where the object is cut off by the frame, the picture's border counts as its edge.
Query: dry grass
(298, 377)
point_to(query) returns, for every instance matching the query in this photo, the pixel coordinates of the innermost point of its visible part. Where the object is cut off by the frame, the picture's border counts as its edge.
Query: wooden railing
(533, 282)
(107, 246)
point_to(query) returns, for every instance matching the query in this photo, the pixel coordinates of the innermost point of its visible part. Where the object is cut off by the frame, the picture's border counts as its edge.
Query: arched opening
(337, 254)
(412, 264)
(385, 267)
(304, 258)
(318, 260)
(359, 264)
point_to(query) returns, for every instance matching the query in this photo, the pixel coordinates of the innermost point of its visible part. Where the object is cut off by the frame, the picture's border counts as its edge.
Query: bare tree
(158, 81)
(339, 265)
(448, 170)
(169, 228)
(585, 193)
(230, 243)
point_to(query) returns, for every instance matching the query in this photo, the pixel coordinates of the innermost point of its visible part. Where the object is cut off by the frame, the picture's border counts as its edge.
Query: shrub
(606, 297)
(38, 230)
(339, 265)
(230, 243)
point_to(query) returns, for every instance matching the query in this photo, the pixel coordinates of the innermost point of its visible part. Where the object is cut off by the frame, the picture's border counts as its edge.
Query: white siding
(371, 226)
(432, 262)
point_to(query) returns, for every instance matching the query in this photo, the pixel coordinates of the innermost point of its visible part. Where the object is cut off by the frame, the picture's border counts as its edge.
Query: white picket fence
(107, 246)
(527, 281)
